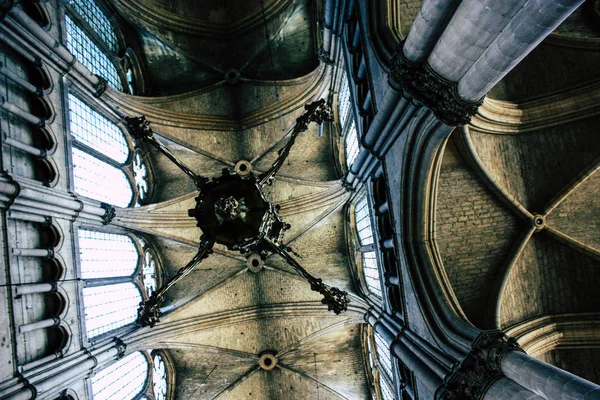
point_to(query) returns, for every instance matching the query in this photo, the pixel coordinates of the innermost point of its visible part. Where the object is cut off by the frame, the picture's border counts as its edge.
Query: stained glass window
(363, 222)
(123, 380)
(383, 354)
(371, 272)
(94, 130)
(344, 100)
(352, 146)
(106, 255)
(159, 377)
(99, 180)
(97, 20)
(110, 307)
(90, 55)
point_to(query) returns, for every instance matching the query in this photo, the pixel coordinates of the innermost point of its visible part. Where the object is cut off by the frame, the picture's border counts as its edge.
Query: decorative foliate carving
(101, 86)
(121, 347)
(149, 312)
(424, 86)
(109, 213)
(323, 55)
(335, 299)
(139, 128)
(480, 369)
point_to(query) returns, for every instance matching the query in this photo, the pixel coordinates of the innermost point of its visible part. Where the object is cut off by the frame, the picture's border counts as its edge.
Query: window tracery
(123, 380)
(159, 377)
(115, 269)
(99, 180)
(380, 362)
(128, 378)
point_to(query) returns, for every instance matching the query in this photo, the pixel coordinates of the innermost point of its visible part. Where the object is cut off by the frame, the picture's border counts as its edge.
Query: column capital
(420, 83)
(109, 213)
(479, 369)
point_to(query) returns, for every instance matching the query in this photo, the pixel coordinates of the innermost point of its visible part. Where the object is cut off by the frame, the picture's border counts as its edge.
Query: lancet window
(135, 377)
(370, 266)
(119, 271)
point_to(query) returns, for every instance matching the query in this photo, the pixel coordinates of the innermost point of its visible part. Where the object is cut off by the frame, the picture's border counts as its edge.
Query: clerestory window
(119, 271)
(370, 265)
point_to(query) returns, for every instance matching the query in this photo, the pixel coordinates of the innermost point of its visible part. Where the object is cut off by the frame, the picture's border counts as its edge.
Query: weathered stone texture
(550, 278)
(536, 166)
(475, 234)
(581, 362)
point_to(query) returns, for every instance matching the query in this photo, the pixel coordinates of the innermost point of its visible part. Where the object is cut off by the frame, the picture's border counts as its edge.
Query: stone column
(46, 323)
(546, 380)
(26, 196)
(20, 290)
(536, 20)
(474, 26)
(505, 389)
(43, 381)
(427, 28)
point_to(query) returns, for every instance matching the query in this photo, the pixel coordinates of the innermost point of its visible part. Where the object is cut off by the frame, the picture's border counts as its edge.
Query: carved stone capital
(121, 347)
(423, 85)
(109, 213)
(323, 55)
(479, 369)
(101, 86)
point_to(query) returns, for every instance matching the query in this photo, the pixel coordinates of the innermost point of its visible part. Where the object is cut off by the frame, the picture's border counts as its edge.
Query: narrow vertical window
(383, 355)
(363, 222)
(352, 146)
(344, 101)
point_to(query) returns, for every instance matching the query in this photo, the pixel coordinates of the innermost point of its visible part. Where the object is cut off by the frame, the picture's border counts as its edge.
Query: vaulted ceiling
(520, 186)
(224, 314)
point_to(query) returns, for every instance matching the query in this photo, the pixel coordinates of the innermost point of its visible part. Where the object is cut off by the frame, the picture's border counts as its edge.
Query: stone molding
(420, 83)
(507, 117)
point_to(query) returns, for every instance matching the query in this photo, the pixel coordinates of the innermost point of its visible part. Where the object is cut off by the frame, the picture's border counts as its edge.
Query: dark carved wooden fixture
(232, 210)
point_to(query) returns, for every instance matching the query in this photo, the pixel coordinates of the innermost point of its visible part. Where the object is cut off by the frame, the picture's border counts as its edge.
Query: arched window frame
(349, 130)
(362, 249)
(147, 389)
(142, 246)
(136, 151)
(378, 375)
(121, 56)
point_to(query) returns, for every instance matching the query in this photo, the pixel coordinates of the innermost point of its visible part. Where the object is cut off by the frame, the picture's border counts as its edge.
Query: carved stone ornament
(323, 55)
(109, 213)
(424, 86)
(480, 368)
(121, 347)
(101, 86)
